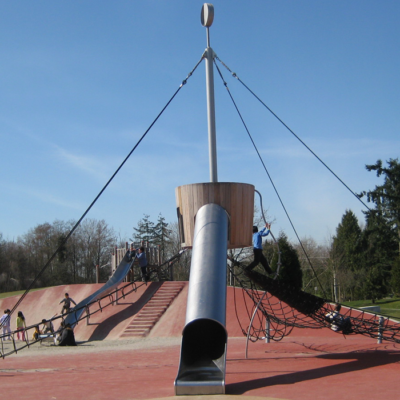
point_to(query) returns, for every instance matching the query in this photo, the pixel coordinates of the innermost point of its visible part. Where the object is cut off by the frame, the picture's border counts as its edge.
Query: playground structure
(153, 255)
(214, 217)
(306, 364)
(118, 276)
(107, 295)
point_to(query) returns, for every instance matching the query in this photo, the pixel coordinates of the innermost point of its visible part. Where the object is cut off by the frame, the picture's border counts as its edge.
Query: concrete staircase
(147, 317)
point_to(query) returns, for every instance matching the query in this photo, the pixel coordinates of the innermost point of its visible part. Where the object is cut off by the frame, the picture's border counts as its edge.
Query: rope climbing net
(284, 308)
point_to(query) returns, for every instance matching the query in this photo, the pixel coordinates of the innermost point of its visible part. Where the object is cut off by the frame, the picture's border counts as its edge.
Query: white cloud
(94, 166)
(44, 196)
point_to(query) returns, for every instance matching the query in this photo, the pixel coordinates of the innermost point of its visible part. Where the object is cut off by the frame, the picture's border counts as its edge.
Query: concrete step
(135, 331)
(156, 307)
(149, 315)
(144, 318)
(137, 334)
(139, 328)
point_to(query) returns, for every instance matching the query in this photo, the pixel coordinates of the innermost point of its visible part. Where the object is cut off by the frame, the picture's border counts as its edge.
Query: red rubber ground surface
(309, 364)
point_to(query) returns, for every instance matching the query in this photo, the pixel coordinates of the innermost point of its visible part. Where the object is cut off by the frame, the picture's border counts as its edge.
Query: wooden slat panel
(236, 198)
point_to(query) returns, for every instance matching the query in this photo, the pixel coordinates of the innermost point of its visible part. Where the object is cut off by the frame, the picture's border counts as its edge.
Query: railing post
(267, 330)
(171, 271)
(380, 330)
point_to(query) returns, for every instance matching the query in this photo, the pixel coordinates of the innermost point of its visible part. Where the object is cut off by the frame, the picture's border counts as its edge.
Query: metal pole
(171, 272)
(207, 19)
(335, 288)
(212, 141)
(267, 329)
(380, 330)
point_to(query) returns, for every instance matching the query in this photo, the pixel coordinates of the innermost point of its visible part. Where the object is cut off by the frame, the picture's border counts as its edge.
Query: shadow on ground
(357, 361)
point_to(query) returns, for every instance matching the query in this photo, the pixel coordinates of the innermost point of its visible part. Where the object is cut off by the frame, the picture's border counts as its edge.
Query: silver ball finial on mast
(207, 18)
(207, 14)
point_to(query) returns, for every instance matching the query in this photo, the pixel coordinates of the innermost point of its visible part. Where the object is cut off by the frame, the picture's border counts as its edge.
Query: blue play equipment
(112, 284)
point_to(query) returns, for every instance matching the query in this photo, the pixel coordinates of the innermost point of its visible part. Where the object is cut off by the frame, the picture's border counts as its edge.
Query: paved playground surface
(308, 364)
(298, 367)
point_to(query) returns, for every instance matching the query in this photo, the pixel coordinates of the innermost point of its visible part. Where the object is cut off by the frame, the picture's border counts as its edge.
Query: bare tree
(182, 266)
(93, 243)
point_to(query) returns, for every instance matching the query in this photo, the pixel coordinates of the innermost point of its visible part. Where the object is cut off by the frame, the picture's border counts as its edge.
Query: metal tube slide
(204, 338)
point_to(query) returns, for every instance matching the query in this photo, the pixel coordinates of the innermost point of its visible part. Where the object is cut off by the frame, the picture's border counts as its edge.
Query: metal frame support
(212, 140)
(380, 329)
(207, 18)
(267, 330)
(251, 322)
(87, 315)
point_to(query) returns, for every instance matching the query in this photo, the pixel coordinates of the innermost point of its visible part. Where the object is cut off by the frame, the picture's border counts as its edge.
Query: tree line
(91, 245)
(361, 261)
(22, 260)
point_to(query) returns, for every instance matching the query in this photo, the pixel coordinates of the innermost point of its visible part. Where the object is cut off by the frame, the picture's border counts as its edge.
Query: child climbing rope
(257, 249)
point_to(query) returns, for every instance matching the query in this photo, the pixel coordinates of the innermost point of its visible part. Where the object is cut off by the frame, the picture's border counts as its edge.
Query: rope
(273, 237)
(269, 176)
(296, 136)
(64, 241)
(287, 308)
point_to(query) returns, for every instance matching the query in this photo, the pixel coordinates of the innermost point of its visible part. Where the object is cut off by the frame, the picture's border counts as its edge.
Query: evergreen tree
(380, 245)
(386, 197)
(290, 271)
(379, 252)
(145, 230)
(382, 233)
(395, 279)
(375, 287)
(347, 243)
(161, 234)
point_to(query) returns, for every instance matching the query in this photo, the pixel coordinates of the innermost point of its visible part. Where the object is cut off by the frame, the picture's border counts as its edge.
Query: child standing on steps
(141, 256)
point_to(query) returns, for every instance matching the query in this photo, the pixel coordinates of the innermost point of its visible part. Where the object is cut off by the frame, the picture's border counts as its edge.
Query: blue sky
(82, 81)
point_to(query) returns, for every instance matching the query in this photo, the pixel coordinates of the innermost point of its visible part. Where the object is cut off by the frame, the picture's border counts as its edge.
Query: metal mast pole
(207, 17)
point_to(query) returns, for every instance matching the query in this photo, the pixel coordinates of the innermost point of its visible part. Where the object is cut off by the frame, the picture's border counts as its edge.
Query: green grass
(389, 307)
(9, 294)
